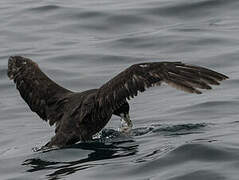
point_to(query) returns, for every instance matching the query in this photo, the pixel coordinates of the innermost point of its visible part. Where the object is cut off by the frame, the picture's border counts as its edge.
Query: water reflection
(110, 144)
(88, 155)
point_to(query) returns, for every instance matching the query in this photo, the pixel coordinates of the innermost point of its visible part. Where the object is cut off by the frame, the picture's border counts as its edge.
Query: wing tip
(225, 77)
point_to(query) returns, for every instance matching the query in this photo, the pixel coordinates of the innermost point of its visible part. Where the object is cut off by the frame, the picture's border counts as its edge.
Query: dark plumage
(80, 115)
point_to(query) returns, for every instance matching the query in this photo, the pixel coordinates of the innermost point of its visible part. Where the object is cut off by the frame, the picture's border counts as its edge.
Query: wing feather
(138, 77)
(42, 95)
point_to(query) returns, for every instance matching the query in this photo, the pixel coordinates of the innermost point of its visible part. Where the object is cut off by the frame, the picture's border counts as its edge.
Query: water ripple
(97, 151)
(45, 8)
(82, 44)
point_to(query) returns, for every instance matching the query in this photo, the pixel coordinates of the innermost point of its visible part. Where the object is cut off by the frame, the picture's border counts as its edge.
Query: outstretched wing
(138, 77)
(43, 95)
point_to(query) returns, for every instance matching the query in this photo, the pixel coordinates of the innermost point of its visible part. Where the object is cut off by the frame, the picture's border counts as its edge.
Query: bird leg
(126, 123)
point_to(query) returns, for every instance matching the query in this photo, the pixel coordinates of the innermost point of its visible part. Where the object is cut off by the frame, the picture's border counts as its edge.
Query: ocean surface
(82, 44)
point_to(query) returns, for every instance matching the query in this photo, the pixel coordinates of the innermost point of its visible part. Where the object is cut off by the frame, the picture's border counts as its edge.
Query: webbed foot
(126, 123)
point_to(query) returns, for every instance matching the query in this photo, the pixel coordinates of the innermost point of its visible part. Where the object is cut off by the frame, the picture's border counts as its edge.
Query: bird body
(79, 115)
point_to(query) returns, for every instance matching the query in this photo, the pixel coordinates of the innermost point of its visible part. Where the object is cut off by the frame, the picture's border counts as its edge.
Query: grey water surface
(82, 44)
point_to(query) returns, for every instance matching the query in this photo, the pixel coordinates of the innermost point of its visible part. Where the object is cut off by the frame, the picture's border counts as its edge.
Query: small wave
(202, 109)
(203, 152)
(188, 9)
(200, 174)
(169, 130)
(215, 103)
(45, 8)
(186, 155)
(92, 14)
(126, 19)
(163, 129)
(179, 129)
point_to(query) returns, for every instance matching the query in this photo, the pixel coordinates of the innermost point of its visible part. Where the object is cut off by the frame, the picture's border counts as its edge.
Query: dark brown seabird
(79, 115)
